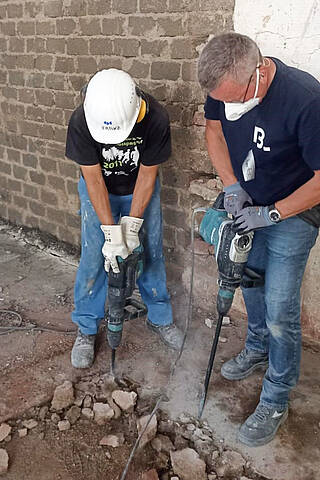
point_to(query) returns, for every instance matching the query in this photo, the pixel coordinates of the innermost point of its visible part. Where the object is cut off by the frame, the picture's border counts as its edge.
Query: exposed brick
(183, 48)
(212, 5)
(35, 113)
(49, 197)
(16, 45)
(56, 182)
(44, 62)
(99, 7)
(45, 28)
(46, 131)
(67, 168)
(126, 47)
(113, 26)
(77, 82)
(64, 100)
(66, 26)
(87, 65)
(53, 8)
(90, 26)
(141, 24)
(60, 134)
(174, 217)
(48, 165)
(30, 191)
(55, 215)
(29, 160)
(19, 202)
(14, 185)
(183, 5)
(202, 24)
(35, 80)
(73, 221)
(170, 27)
(139, 69)
(170, 195)
(55, 81)
(15, 10)
(14, 155)
(25, 61)
(36, 45)
(54, 115)
(124, 6)
(165, 70)
(26, 28)
(44, 97)
(64, 64)
(48, 226)
(77, 46)
(9, 92)
(31, 221)
(156, 48)
(37, 209)
(55, 45)
(37, 145)
(15, 216)
(20, 173)
(100, 46)
(32, 9)
(110, 62)
(5, 167)
(16, 78)
(72, 187)
(3, 76)
(66, 235)
(75, 8)
(156, 6)
(8, 28)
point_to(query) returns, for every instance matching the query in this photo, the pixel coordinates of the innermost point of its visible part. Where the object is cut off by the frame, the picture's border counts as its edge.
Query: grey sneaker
(82, 354)
(244, 364)
(171, 335)
(261, 427)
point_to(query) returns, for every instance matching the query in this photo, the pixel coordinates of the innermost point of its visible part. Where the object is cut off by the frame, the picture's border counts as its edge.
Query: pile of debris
(182, 450)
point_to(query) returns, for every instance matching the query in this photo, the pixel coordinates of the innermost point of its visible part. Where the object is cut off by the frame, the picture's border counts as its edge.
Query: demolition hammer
(231, 252)
(121, 305)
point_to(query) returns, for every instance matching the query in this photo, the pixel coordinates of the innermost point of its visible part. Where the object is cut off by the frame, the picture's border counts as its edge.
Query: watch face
(274, 215)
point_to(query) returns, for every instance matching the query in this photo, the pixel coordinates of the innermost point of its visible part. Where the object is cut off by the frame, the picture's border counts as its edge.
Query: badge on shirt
(249, 167)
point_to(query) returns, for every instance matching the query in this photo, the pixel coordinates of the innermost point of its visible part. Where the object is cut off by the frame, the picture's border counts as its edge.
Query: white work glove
(113, 247)
(130, 228)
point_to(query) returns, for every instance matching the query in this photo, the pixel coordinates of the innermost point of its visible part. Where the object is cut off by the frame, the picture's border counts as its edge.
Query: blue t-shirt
(275, 147)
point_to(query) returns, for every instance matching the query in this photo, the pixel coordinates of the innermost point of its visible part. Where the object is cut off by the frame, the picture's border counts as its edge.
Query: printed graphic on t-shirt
(123, 158)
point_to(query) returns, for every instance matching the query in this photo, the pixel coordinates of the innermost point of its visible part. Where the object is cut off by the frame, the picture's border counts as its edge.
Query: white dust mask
(235, 110)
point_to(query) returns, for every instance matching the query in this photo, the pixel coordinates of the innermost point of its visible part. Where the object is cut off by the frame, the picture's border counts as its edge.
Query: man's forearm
(305, 197)
(219, 153)
(98, 193)
(143, 190)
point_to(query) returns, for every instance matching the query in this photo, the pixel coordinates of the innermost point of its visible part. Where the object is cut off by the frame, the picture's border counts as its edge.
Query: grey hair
(229, 54)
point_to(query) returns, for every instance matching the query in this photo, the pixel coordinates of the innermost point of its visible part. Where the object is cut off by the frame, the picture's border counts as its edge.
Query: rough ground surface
(36, 282)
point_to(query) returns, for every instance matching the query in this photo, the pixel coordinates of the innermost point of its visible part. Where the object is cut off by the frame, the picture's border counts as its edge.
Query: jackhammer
(121, 305)
(231, 252)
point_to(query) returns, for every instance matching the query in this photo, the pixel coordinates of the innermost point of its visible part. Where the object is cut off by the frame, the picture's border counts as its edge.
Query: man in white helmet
(119, 136)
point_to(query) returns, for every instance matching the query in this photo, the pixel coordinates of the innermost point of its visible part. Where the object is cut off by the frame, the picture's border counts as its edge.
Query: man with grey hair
(263, 138)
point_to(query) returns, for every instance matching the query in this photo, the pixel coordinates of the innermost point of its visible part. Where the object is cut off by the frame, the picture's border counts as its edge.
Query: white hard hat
(111, 106)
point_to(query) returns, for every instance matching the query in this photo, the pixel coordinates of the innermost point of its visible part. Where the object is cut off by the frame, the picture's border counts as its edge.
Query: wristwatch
(274, 214)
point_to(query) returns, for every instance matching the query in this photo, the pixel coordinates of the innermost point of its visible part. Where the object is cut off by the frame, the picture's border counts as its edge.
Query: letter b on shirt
(258, 138)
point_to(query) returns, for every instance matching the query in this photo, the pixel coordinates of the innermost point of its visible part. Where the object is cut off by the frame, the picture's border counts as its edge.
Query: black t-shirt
(149, 143)
(275, 147)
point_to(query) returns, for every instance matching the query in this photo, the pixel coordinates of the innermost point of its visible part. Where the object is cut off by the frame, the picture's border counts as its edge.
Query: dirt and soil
(36, 281)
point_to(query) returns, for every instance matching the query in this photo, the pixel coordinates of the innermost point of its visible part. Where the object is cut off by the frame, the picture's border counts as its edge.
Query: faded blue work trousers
(280, 252)
(91, 283)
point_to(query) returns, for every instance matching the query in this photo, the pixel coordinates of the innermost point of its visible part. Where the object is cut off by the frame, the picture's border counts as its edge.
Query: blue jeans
(91, 284)
(280, 252)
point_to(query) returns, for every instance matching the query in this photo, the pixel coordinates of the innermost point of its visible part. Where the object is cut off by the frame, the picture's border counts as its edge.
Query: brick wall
(49, 50)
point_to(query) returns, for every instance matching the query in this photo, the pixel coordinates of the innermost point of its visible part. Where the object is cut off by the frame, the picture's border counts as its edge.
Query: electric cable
(174, 363)
(6, 329)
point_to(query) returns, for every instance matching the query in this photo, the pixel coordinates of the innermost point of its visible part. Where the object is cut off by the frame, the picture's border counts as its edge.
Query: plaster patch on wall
(289, 31)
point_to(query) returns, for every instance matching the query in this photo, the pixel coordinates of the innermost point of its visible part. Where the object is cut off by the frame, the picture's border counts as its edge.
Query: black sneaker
(261, 427)
(82, 354)
(244, 364)
(171, 335)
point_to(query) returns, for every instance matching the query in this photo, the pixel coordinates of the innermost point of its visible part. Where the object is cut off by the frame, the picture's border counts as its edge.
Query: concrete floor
(36, 281)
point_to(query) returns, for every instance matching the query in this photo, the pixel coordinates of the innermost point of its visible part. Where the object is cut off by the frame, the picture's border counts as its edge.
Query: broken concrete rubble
(125, 400)
(102, 413)
(112, 440)
(63, 396)
(5, 430)
(188, 465)
(4, 461)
